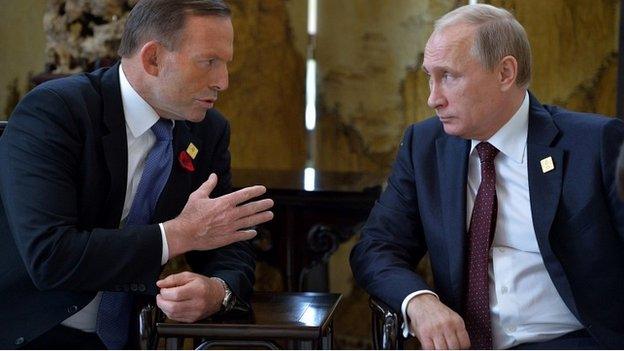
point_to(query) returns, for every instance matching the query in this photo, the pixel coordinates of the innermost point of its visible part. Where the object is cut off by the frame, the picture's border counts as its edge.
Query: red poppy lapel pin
(187, 156)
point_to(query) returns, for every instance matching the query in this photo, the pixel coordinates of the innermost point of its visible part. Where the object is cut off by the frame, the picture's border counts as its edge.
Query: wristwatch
(228, 299)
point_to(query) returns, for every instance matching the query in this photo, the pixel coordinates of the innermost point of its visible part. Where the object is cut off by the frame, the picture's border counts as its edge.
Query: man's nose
(436, 99)
(221, 79)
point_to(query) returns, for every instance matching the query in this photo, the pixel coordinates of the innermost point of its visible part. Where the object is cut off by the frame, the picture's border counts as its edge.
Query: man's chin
(196, 116)
(451, 128)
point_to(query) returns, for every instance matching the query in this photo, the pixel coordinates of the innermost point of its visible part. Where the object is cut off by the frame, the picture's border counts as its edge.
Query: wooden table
(303, 319)
(311, 219)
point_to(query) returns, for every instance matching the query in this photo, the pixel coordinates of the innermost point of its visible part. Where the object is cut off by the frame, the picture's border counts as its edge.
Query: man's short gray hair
(164, 20)
(498, 34)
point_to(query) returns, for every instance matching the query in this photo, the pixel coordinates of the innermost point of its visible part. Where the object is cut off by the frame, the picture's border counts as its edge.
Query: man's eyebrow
(439, 68)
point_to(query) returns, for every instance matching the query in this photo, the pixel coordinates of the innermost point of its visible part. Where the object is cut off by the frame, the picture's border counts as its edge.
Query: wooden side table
(304, 319)
(313, 216)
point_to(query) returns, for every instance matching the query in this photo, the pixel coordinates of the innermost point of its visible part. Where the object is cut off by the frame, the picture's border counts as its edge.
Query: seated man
(108, 175)
(514, 201)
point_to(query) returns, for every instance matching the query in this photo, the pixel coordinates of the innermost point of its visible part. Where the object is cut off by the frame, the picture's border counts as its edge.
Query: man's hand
(208, 223)
(436, 326)
(189, 297)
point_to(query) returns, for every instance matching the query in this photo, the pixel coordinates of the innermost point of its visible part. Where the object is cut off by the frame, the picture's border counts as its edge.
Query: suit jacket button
(142, 287)
(72, 309)
(19, 341)
(133, 287)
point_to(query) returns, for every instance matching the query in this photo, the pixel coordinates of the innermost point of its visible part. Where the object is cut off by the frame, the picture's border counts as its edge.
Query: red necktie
(480, 234)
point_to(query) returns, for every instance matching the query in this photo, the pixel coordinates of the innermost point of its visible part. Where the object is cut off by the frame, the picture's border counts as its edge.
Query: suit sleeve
(235, 263)
(40, 154)
(392, 244)
(613, 136)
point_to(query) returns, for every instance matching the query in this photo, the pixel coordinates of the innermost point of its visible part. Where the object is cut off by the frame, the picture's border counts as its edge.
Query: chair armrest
(148, 336)
(386, 325)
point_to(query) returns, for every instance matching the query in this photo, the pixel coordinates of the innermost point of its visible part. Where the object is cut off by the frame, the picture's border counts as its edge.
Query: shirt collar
(512, 137)
(140, 116)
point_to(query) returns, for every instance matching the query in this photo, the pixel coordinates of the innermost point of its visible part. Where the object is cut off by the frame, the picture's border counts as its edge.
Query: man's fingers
(243, 195)
(207, 187)
(253, 220)
(451, 341)
(439, 342)
(426, 343)
(249, 209)
(175, 280)
(178, 293)
(464, 339)
(178, 311)
(241, 235)
(225, 240)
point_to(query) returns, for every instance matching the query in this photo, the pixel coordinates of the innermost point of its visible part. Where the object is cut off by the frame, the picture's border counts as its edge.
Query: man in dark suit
(108, 175)
(514, 201)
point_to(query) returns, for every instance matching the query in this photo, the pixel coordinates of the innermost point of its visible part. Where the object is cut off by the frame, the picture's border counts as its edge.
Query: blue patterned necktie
(114, 311)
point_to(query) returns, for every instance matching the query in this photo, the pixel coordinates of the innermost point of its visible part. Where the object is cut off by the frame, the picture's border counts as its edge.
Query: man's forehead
(453, 35)
(451, 40)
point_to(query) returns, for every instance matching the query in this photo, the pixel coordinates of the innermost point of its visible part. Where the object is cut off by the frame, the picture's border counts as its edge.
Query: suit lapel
(544, 187)
(115, 145)
(452, 155)
(545, 190)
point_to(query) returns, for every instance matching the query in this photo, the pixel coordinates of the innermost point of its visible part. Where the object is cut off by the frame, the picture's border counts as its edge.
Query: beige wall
(371, 84)
(366, 50)
(22, 45)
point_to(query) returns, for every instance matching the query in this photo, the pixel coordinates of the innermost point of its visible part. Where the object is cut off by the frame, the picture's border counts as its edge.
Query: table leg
(174, 343)
(304, 345)
(327, 341)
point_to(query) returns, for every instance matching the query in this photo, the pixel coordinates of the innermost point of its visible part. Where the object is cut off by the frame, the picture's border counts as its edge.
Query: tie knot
(487, 152)
(162, 129)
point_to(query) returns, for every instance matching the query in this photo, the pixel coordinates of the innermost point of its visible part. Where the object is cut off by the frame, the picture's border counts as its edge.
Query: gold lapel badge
(547, 164)
(192, 150)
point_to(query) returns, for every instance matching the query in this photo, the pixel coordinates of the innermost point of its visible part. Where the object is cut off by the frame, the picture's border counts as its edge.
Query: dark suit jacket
(578, 219)
(63, 170)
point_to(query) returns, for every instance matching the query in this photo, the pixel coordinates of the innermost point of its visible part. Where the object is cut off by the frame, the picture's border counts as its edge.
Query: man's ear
(151, 58)
(508, 72)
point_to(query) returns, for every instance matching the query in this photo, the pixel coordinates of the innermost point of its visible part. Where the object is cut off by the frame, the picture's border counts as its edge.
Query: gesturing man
(106, 176)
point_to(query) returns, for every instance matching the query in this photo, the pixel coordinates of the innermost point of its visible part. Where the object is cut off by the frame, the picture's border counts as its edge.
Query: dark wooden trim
(620, 92)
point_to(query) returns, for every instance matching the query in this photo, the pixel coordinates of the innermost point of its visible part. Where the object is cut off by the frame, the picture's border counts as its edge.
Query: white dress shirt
(140, 117)
(524, 304)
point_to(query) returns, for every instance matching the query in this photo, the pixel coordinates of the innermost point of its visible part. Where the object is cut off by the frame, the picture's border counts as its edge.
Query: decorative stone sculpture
(81, 32)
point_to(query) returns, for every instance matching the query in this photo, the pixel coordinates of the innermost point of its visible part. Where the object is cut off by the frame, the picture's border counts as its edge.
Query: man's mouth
(207, 103)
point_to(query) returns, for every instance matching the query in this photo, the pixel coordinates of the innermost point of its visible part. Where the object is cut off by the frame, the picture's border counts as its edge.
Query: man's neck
(509, 106)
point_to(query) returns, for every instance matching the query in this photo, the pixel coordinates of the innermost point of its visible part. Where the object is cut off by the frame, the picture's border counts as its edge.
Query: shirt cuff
(165, 247)
(406, 325)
